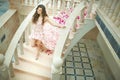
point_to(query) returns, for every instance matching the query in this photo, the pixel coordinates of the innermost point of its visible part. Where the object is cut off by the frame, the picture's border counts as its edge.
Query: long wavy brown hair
(36, 15)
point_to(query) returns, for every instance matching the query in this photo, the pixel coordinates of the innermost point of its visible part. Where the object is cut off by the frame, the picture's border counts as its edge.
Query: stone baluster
(68, 4)
(108, 6)
(89, 8)
(82, 16)
(27, 33)
(72, 3)
(54, 7)
(63, 5)
(35, 2)
(101, 4)
(75, 4)
(11, 70)
(21, 45)
(112, 8)
(26, 2)
(49, 4)
(93, 10)
(31, 2)
(116, 11)
(4, 74)
(104, 5)
(57, 68)
(117, 20)
(59, 4)
(40, 1)
(119, 27)
(16, 57)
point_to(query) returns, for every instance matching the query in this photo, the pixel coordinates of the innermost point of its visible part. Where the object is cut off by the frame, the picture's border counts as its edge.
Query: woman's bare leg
(38, 49)
(33, 42)
(37, 53)
(43, 47)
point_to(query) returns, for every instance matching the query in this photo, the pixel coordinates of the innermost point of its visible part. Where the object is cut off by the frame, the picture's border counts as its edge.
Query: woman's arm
(52, 22)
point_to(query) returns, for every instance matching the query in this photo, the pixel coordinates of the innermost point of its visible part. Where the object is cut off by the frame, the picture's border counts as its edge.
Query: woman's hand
(61, 26)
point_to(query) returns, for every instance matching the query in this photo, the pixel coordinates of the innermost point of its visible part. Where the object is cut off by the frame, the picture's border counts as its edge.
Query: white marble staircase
(31, 69)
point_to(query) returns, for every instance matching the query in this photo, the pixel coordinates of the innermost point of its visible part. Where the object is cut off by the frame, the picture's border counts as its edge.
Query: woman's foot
(37, 55)
(49, 52)
(36, 58)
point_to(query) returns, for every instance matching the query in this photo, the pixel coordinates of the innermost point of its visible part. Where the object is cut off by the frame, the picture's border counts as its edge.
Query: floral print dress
(46, 33)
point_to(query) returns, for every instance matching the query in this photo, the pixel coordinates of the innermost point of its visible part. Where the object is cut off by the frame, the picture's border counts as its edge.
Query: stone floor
(85, 62)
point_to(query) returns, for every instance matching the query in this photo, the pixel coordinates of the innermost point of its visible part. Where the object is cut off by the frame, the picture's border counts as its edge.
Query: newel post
(57, 68)
(4, 75)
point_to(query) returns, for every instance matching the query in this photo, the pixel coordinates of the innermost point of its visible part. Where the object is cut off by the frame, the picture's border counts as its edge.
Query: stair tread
(37, 62)
(20, 75)
(32, 68)
(32, 50)
(44, 59)
(29, 66)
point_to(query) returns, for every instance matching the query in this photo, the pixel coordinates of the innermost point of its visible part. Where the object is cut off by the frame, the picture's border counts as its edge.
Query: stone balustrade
(111, 9)
(30, 2)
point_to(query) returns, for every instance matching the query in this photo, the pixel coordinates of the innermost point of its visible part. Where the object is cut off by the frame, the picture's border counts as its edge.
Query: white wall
(110, 56)
(4, 6)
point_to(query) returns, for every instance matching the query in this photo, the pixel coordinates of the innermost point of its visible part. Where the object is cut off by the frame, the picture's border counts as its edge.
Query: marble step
(29, 53)
(22, 75)
(32, 68)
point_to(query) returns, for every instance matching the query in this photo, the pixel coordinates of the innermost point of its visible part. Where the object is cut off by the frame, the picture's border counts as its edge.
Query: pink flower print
(62, 22)
(62, 12)
(77, 26)
(66, 16)
(78, 17)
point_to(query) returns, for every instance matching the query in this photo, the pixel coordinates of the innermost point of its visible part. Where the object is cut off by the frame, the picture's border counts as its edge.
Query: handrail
(88, 25)
(114, 30)
(69, 22)
(13, 44)
(66, 39)
(57, 60)
(6, 16)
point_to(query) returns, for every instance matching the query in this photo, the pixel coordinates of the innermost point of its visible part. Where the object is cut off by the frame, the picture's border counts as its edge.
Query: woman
(45, 33)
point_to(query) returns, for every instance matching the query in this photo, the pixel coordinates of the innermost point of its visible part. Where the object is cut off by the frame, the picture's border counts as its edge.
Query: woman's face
(39, 10)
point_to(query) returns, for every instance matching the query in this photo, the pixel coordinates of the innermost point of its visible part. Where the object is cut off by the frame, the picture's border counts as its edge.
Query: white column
(30, 2)
(50, 4)
(12, 74)
(68, 4)
(21, 45)
(57, 68)
(117, 20)
(104, 5)
(54, 7)
(27, 33)
(26, 2)
(112, 8)
(101, 4)
(109, 5)
(63, 4)
(116, 11)
(16, 56)
(4, 75)
(35, 2)
(89, 8)
(58, 4)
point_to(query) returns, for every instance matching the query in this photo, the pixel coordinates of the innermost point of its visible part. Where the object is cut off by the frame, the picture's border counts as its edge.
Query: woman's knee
(33, 43)
(38, 43)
